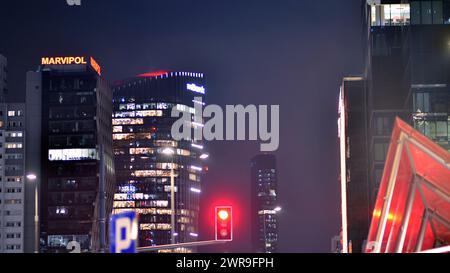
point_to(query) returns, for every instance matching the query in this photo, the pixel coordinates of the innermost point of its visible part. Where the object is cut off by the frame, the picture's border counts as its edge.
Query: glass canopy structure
(412, 211)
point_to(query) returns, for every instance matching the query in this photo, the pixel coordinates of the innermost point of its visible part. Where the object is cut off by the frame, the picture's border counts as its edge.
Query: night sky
(293, 53)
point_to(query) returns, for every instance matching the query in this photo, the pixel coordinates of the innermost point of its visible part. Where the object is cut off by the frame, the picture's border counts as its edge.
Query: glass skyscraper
(142, 125)
(264, 210)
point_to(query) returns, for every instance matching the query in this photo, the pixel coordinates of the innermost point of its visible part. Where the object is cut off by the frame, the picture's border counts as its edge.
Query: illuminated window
(153, 203)
(152, 226)
(14, 145)
(167, 166)
(146, 226)
(390, 15)
(124, 204)
(183, 152)
(11, 113)
(128, 188)
(120, 196)
(123, 136)
(165, 143)
(128, 121)
(184, 108)
(62, 210)
(196, 168)
(117, 129)
(131, 114)
(151, 173)
(149, 113)
(129, 106)
(164, 211)
(168, 188)
(141, 151)
(14, 134)
(72, 154)
(156, 106)
(192, 177)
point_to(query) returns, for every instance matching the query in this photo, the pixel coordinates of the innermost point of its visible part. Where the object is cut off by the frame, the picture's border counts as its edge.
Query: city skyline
(252, 68)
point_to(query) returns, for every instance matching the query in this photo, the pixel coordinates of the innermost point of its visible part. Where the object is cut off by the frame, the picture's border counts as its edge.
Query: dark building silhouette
(264, 206)
(76, 155)
(354, 179)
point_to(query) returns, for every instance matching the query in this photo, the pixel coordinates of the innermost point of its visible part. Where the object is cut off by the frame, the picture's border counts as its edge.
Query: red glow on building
(412, 212)
(153, 74)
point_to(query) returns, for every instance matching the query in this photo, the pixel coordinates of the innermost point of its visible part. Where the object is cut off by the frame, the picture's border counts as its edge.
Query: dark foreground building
(354, 166)
(264, 204)
(142, 125)
(407, 76)
(74, 107)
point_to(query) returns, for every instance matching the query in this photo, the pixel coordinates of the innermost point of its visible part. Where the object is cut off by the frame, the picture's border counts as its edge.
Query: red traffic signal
(224, 223)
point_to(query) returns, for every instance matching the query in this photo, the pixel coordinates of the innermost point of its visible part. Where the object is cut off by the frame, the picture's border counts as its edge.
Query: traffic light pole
(174, 246)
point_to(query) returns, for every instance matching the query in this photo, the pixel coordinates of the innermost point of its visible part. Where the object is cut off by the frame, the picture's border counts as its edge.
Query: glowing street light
(168, 151)
(33, 177)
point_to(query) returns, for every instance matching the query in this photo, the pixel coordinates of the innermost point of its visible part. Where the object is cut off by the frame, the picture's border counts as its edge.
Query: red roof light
(153, 74)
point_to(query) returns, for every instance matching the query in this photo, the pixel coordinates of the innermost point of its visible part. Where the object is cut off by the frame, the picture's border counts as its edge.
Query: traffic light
(224, 223)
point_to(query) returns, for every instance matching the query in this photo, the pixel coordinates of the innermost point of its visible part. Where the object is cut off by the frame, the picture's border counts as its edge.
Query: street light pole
(172, 203)
(33, 178)
(170, 152)
(36, 218)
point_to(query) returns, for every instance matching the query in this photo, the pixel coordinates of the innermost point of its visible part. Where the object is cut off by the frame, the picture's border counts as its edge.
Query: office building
(146, 154)
(69, 104)
(12, 183)
(407, 72)
(406, 76)
(264, 206)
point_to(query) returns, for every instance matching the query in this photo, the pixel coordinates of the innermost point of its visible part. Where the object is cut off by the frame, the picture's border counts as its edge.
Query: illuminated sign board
(123, 232)
(71, 61)
(62, 60)
(195, 88)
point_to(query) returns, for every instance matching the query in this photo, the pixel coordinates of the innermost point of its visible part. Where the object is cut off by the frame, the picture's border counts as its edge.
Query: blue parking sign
(123, 232)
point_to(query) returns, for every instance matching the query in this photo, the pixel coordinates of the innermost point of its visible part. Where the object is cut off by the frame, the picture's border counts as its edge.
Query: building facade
(76, 155)
(142, 125)
(264, 205)
(406, 75)
(12, 177)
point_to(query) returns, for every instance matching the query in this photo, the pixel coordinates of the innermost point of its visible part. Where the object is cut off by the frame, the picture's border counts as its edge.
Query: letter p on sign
(123, 235)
